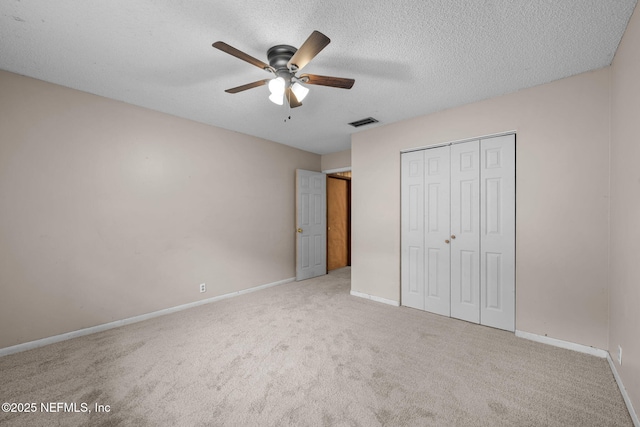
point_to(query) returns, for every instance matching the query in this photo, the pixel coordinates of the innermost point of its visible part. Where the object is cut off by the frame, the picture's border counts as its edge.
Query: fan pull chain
(288, 105)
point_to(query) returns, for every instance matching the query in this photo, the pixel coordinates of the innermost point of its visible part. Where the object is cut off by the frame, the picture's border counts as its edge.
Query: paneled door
(425, 230)
(436, 224)
(465, 231)
(498, 232)
(412, 223)
(458, 231)
(311, 224)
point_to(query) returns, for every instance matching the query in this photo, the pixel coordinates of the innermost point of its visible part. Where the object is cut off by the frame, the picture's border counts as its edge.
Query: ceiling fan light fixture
(277, 98)
(299, 91)
(276, 86)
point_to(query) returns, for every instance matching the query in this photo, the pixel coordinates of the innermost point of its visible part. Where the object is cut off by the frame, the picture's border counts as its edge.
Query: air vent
(363, 122)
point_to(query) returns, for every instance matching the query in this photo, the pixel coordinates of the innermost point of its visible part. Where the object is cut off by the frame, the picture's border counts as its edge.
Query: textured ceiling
(408, 58)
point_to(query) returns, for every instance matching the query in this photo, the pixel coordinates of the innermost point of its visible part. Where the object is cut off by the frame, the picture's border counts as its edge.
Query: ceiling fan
(284, 62)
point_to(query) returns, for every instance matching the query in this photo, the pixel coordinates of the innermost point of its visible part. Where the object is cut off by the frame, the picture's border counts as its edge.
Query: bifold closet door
(425, 230)
(437, 181)
(412, 208)
(498, 232)
(465, 231)
(458, 231)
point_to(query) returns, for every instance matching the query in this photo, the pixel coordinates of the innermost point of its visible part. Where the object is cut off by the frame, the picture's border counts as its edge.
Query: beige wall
(625, 210)
(562, 200)
(110, 211)
(338, 160)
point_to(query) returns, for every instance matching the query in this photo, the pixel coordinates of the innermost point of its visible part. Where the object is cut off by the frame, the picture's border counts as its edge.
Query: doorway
(338, 220)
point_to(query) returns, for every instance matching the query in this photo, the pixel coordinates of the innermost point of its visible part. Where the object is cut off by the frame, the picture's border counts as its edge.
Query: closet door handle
(453, 236)
(447, 241)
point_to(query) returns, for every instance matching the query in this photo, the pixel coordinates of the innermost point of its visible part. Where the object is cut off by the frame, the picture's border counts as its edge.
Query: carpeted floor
(308, 353)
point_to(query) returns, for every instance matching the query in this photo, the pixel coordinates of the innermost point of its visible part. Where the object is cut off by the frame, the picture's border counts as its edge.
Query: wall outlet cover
(203, 287)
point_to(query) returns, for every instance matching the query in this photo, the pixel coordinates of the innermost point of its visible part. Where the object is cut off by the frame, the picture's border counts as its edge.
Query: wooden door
(311, 217)
(337, 223)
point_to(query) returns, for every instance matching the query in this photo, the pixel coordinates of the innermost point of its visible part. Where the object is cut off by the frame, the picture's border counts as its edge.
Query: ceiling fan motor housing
(279, 56)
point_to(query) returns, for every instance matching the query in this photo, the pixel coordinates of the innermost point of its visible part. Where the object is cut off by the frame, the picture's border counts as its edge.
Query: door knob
(447, 241)
(299, 230)
(453, 236)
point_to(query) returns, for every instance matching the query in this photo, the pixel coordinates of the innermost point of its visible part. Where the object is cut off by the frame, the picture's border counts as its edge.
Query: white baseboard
(375, 298)
(563, 344)
(105, 326)
(625, 396)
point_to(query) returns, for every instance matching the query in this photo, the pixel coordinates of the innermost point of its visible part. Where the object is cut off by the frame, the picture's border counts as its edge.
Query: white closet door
(412, 233)
(465, 231)
(497, 240)
(437, 218)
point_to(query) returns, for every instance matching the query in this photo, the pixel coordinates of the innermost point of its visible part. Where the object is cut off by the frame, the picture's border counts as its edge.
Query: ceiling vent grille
(363, 122)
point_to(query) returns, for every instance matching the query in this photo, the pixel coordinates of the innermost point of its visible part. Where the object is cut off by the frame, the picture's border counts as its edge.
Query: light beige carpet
(308, 353)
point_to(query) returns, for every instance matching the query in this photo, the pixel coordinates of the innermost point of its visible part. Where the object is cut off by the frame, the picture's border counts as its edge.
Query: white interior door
(311, 228)
(412, 234)
(497, 240)
(465, 231)
(437, 237)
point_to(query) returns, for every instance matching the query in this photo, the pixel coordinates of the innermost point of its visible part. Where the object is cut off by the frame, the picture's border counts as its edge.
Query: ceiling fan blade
(309, 49)
(293, 101)
(248, 86)
(339, 82)
(241, 55)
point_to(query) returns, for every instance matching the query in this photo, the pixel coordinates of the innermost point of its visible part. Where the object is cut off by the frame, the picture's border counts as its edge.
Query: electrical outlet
(203, 287)
(620, 355)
